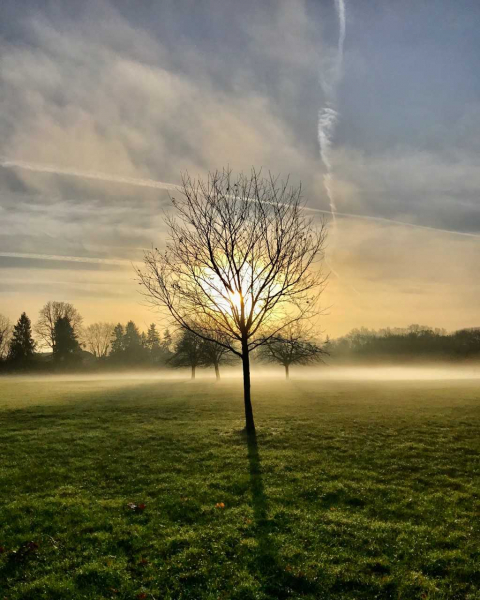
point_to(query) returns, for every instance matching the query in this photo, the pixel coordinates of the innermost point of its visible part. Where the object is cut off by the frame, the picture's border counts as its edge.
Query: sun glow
(236, 300)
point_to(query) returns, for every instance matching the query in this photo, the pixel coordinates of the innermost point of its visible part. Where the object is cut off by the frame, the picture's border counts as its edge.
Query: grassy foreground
(354, 490)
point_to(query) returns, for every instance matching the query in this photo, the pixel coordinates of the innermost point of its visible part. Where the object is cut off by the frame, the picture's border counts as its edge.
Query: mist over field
(425, 372)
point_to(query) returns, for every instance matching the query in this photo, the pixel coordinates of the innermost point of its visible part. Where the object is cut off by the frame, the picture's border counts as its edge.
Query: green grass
(353, 490)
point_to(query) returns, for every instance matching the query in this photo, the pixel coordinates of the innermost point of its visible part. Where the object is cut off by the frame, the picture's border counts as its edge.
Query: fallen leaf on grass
(136, 507)
(219, 505)
(25, 550)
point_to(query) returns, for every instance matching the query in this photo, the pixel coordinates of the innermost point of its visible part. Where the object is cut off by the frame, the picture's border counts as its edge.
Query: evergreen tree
(153, 344)
(65, 343)
(118, 345)
(132, 342)
(22, 346)
(167, 342)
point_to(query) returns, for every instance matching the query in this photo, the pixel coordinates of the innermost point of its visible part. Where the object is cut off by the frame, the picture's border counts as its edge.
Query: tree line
(413, 343)
(59, 341)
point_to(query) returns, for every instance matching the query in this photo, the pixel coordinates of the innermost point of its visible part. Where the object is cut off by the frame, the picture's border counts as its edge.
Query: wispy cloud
(61, 258)
(118, 100)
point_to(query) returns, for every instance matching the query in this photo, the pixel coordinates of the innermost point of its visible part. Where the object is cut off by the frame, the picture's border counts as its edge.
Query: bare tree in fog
(49, 315)
(241, 256)
(293, 346)
(98, 338)
(215, 353)
(5, 335)
(188, 352)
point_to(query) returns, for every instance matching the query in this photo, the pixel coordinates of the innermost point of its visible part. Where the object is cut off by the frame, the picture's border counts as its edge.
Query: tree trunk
(287, 373)
(249, 422)
(217, 372)
(193, 371)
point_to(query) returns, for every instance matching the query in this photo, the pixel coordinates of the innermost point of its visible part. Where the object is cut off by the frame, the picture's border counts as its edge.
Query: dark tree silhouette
(241, 259)
(167, 342)
(5, 335)
(118, 345)
(22, 345)
(213, 354)
(154, 345)
(293, 347)
(133, 348)
(188, 352)
(65, 342)
(49, 315)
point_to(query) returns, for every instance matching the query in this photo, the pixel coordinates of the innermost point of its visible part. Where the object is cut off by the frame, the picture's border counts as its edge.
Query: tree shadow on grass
(277, 579)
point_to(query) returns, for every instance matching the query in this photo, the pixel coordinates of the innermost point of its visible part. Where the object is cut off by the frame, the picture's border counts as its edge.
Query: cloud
(104, 101)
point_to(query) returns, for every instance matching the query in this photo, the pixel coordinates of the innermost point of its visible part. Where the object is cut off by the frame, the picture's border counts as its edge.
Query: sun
(235, 299)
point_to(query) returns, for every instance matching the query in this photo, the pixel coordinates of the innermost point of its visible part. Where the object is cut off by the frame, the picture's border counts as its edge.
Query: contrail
(152, 183)
(41, 168)
(328, 118)
(328, 115)
(62, 258)
(394, 222)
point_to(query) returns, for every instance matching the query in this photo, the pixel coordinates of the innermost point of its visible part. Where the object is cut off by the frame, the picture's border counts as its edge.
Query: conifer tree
(118, 345)
(167, 342)
(22, 346)
(65, 342)
(153, 344)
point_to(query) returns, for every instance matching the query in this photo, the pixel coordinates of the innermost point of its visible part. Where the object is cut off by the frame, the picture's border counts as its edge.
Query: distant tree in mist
(22, 346)
(294, 346)
(49, 315)
(5, 335)
(244, 257)
(66, 347)
(117, 342)
(167, 341)
(416, 342)
(188, 352)
(214, 354)
(153, 343)
(97, 338)
(133, 345)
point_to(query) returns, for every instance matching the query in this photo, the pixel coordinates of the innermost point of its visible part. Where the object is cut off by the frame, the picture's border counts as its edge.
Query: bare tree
(241, 257)
(213, 354)
(293, 346)
(98, 338)
(6, 329)
(188, 352)
(49, 315)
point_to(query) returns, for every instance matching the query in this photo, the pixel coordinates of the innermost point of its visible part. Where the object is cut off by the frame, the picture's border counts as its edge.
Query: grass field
(353, 490)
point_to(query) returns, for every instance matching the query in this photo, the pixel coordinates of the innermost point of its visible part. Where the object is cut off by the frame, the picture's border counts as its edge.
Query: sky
(100, 99)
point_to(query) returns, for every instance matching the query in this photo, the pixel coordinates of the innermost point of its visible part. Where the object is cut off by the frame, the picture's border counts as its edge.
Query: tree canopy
(294, 346)
(242, 263)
